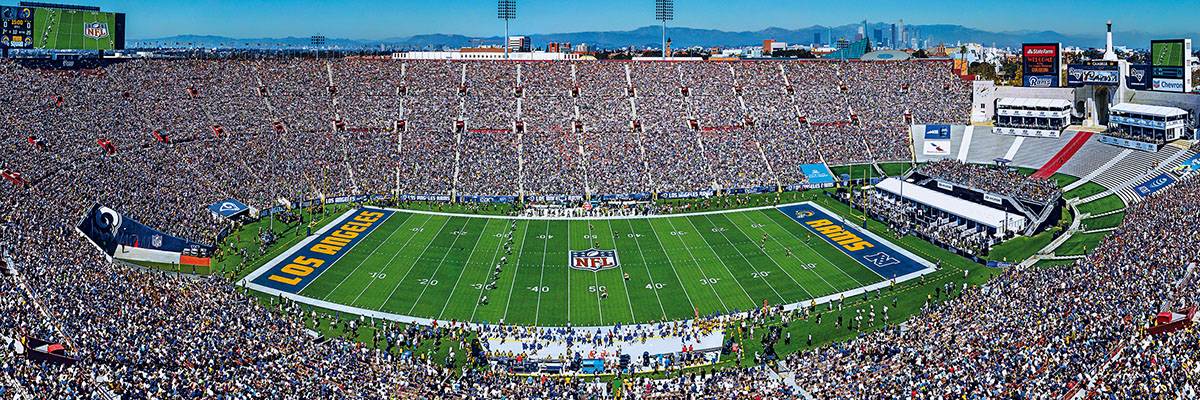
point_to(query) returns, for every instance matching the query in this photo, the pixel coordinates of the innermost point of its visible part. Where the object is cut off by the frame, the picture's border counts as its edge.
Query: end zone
(877, 254)
(292, 271)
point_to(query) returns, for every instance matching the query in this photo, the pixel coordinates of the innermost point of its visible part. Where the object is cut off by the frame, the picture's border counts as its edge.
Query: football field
(442, 266)
(64, 29)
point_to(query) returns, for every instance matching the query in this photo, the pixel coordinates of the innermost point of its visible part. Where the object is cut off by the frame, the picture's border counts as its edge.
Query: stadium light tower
(506, 10)
(664, 10)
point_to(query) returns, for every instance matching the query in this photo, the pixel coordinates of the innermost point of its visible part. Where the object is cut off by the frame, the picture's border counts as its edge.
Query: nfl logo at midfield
(95, 30)
(593, 260)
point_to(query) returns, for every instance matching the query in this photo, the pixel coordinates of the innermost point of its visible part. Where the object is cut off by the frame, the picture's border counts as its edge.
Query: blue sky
(384, 19)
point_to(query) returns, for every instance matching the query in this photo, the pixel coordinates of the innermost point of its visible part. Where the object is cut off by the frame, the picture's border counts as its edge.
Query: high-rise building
(518, 43)
(878, 36)
(903, 33)
(892, 43)
(817, 39)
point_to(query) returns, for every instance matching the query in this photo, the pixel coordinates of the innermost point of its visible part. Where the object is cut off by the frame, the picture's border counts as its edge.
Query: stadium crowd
(992, 180)
(1037, 332)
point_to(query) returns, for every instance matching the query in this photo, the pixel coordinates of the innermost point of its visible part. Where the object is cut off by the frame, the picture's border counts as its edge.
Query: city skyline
(379, 20)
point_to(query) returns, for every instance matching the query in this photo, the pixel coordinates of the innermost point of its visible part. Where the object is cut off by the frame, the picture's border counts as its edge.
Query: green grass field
(437, 266)
(64, 29)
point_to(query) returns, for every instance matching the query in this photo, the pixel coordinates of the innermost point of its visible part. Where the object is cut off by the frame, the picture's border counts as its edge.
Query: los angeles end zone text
(316, 256)
(554, 272)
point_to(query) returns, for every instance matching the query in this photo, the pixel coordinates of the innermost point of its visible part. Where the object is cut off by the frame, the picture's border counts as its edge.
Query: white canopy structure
(979, 213)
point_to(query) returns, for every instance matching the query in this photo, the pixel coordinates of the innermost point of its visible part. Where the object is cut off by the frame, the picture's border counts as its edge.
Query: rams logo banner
(877, 255)
(95, 30)
(301, 267)
(594, 260)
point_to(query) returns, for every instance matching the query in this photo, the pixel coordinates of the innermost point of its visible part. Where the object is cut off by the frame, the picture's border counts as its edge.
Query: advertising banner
(937, 132)
(937, 147)
(1154, 185)
(993, 198)
(1040, 80)
(817, 173)
(228, 208)
(1040, 64)
(686, 195)
(1168, 59)
(1138, 77)
(1082, 74)
(108, 228)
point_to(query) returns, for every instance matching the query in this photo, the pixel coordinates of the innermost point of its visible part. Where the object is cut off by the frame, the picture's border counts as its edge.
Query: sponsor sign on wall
(1168, 59)
(1083, 74)
(1138, 77)
(1040, 64)
(1154, 185)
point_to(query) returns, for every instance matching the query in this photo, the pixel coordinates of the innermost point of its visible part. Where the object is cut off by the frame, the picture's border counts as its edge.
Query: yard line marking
(652, 230)
(542, 278)
(463, 270)
(516, 268)
(731, 275)
(411, 267)
(569, 276)
(364, 260)
(647, 265)
(398, 251)
(466, 221)
(483, 286)
(747, 260)
(772, 237)
(789, 231)
(785, 271)
(596, 275)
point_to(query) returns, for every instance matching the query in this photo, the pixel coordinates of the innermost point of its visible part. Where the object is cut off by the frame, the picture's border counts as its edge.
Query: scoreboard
(17, 29)
(61, 29)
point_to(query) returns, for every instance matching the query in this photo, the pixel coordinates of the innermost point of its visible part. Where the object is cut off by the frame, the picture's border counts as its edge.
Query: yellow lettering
(335, 241)
(819, 223)
(326, 249)
(312, 262)
(858, 246)
(289, 281)
(298, 270)
(348, 227)
(375, 215)
(344, 234)
(829, 230)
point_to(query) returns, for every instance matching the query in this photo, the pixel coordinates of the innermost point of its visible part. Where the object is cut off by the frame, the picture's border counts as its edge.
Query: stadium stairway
(1052, 166)
(987, 146)
(1092, 160)
(1137, 167)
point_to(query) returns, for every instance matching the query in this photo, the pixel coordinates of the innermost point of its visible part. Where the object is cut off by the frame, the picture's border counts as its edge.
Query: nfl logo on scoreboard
(95, 30)
(594, 260)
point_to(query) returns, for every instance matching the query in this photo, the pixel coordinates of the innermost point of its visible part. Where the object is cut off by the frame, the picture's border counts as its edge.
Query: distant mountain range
(681, 37)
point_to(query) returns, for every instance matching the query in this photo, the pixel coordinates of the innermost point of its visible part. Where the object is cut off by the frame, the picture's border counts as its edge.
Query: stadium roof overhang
(1144, 109)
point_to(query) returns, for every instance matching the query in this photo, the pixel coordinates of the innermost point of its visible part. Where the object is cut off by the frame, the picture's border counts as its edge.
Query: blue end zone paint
(304, 265)
(871, 251)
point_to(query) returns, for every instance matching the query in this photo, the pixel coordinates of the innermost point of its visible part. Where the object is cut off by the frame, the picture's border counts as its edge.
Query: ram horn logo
(804, 214)
(1137, 74)
(1040, 81)
(95, 30)
(227, 206)
(594, 260)
(109, 221)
